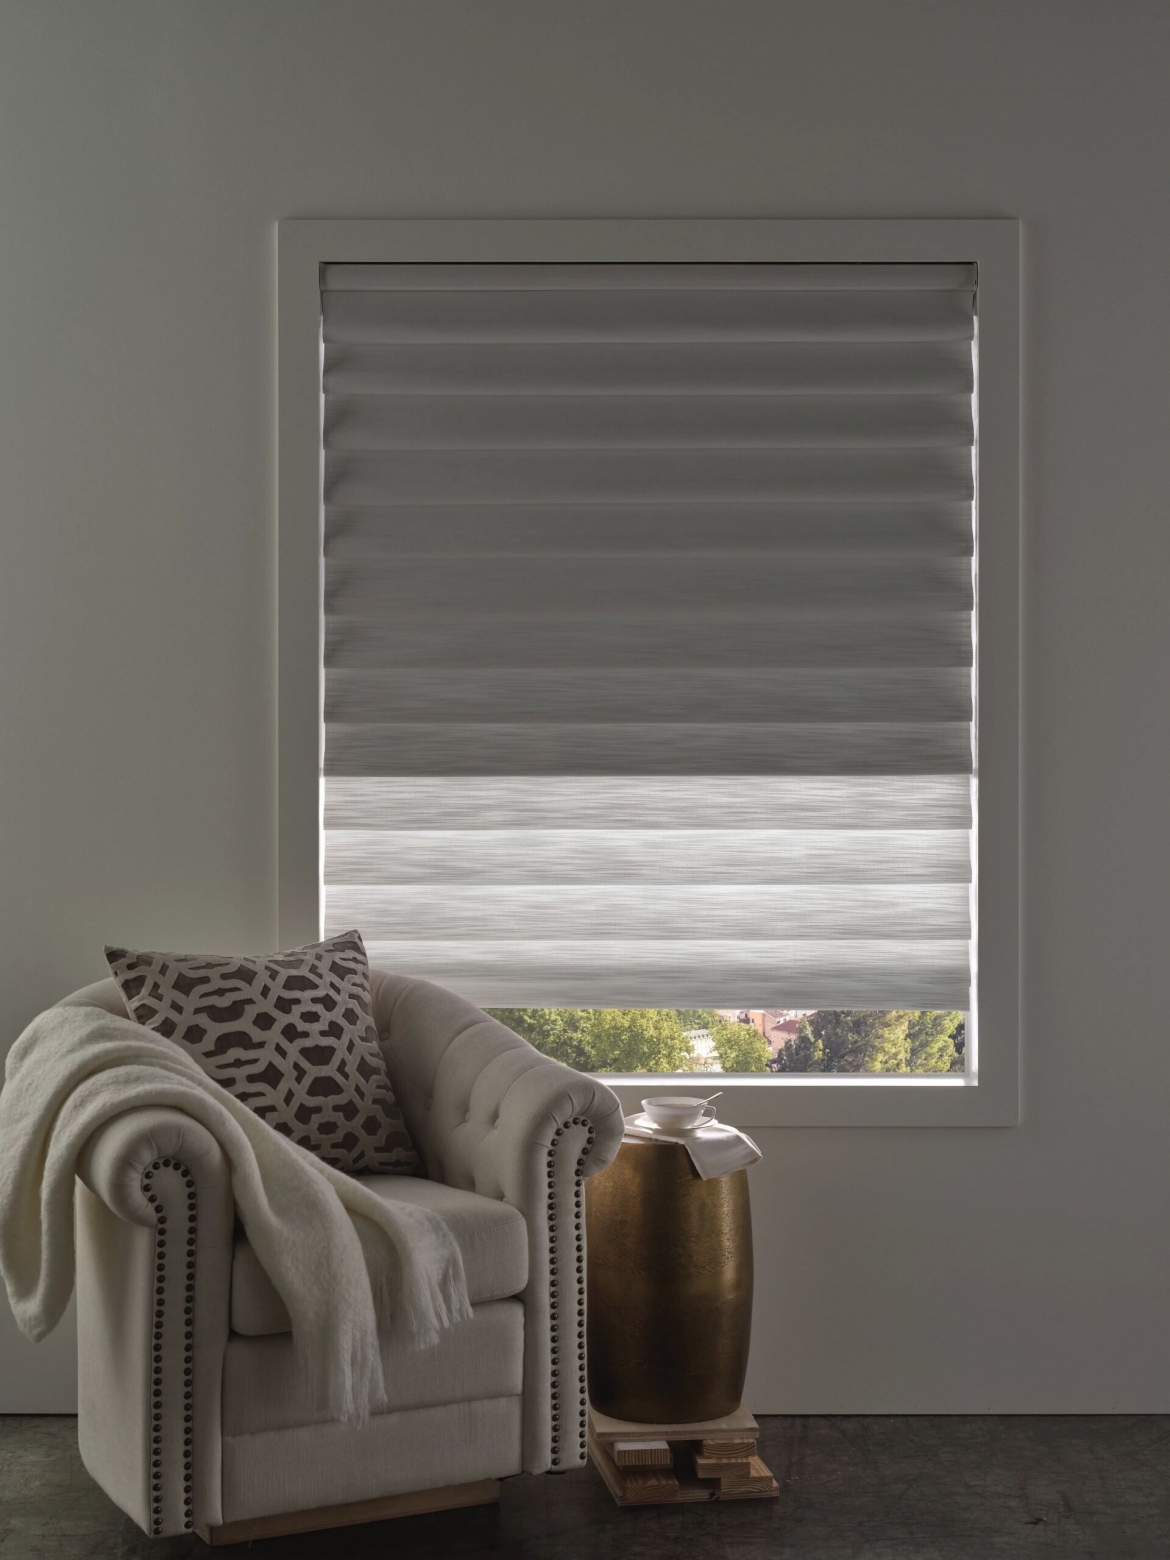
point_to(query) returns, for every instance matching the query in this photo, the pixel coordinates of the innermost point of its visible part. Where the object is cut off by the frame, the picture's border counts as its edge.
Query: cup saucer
(643, 1121)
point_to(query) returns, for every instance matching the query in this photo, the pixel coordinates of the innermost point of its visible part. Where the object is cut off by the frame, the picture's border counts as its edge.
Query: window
(648, 663)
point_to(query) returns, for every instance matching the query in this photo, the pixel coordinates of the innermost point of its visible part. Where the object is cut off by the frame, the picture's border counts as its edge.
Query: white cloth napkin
(715, 1149)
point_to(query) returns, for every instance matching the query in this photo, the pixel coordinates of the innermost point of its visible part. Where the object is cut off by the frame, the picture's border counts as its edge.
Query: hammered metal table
(669, 1287)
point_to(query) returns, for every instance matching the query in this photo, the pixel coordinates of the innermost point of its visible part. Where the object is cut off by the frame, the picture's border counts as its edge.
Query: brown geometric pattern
(291, 1035)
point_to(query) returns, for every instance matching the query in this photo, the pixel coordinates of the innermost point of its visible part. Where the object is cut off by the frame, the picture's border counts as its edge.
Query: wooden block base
(710, 1460)
(723, 1467)
(640, 1454)
(484, 1492)
(752, 1477)
(729, 1447)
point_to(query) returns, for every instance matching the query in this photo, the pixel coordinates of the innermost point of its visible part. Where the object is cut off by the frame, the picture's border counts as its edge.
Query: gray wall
(146, 152)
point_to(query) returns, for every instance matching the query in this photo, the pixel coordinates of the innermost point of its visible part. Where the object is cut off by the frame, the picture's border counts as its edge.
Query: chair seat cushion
(483, 1357)
(491, 1236)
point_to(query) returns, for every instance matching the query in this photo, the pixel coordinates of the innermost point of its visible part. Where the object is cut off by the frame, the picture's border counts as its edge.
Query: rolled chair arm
(491, 1114)
(115, 1160)
(155, 1218)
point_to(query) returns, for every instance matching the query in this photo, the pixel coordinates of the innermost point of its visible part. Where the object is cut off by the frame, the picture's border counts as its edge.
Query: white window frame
(989, 1093)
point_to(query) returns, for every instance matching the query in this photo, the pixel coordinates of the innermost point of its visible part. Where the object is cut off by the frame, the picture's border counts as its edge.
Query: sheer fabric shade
(648, 630)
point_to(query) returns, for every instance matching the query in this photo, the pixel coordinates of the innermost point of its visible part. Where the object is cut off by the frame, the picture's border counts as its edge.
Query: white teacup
(678, 1111)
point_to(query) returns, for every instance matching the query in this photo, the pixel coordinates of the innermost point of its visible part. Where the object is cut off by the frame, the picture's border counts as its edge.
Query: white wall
(146, 152)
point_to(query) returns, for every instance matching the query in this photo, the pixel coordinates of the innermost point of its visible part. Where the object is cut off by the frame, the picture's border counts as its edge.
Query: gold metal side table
(669, 1287)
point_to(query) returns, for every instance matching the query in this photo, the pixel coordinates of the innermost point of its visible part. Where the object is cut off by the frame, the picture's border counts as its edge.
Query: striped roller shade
(648, 630)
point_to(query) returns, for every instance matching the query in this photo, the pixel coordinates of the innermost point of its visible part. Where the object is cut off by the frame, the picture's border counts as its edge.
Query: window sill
(843, 1100)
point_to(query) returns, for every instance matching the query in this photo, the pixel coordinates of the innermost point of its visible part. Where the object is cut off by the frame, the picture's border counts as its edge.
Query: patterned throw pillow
(291, 1035)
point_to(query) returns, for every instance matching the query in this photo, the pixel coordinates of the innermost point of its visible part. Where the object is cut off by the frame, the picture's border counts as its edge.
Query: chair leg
(484, 1492)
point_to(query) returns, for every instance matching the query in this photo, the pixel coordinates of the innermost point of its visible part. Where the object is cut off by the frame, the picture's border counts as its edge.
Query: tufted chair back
(458, 1073)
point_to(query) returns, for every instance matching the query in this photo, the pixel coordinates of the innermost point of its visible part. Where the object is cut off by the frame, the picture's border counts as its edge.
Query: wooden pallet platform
(714, 1459)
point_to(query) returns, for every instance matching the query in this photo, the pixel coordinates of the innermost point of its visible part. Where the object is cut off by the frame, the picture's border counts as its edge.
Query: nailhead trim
(187, 1246)
(557, 1259)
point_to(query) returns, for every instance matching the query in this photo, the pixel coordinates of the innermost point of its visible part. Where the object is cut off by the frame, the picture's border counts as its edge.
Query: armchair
(191, 1416)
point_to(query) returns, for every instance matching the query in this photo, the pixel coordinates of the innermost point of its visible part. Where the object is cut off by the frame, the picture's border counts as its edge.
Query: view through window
(745, 1040)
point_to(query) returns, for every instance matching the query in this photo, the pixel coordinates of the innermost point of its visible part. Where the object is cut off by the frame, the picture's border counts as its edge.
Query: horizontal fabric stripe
(647, 315)
(836, 973)
(719, 911)
(542, 276)
(649, 368)
(364, 586)
(649, 695)
(429, 530)
(390, 858)
(421, 748)
(622, 476)
(415, 421)
(849, 802)
(667, 636)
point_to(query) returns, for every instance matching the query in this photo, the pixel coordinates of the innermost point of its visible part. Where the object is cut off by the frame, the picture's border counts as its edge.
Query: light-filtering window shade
(648, 630)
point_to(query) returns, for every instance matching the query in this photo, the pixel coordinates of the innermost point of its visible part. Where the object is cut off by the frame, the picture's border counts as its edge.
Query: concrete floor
(851, 1489)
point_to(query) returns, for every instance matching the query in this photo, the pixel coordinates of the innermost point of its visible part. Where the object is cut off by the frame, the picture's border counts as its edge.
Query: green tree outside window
(653, 1040)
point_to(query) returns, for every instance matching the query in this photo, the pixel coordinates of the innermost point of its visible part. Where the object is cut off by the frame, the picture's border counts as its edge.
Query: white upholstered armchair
(190, 1414)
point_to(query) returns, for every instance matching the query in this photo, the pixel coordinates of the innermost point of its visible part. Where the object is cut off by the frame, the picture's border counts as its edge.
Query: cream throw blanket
(338, 1255)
